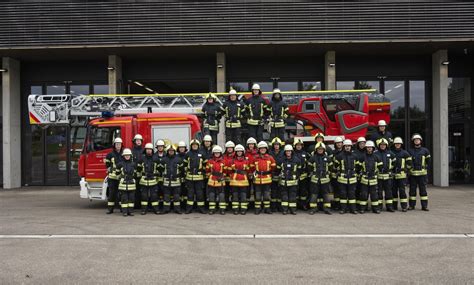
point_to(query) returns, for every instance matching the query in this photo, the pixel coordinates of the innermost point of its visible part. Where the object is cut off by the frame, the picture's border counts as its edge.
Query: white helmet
(232, 92)
(416, 136)
(160, 143)
(347, 142)
(181, 144)
(118, 140)
(369, 144)
(276, 90)
(361, 139)
(137, 137)
(262, 144)
(382, 123)
(229, 144)
(288, 147)
(398, 140)
(126, 151)
(255, 87)
(338, 140)
(207, 138)
(251, 140)
(239, 147)
(217, 149)
(149, 146)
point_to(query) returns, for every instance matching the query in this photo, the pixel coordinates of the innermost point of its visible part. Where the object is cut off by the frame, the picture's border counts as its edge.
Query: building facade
(419, 54)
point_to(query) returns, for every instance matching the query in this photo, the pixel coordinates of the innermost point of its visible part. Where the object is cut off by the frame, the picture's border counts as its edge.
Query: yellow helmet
(382, 141)
(298, 141)
(194, 141)
(319, 135)
(277, 140)
(171, 147)
(210, 95)
(320, 145)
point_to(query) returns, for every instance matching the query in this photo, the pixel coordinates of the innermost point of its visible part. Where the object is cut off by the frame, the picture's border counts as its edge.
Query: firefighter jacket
(215, 169)
(290, 169)
(239, 169)
(256, 109)
(251, 154)
(228, 157)
(148, 169)
(112, 160)
(127, 172)
(206, 152)
(421, 159)
(278, 112)
(263, 166)
(345, 165)
(277, 156)
(403, 163)
(172, 170)
(378, 136)
(387, 157)
(159, 158)
(335, 153)
(194, 165)
(303, 156)
(212, 113)
(319, 168)
(370, 165)
(137, 152)
(233, 113)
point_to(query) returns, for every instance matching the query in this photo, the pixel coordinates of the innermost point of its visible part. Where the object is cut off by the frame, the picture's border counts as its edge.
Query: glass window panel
(38, 90)
(368, 85)
(311, 86)
(288, 86)
(397, 128)
(101, 89)
(56, 155)
(345, 85)
(395, 91)
(37, 166)
(419, 127)
(78, 134)
(265, 86)
(79, 90)
(417, 100)
(55, 89)
(240, 86)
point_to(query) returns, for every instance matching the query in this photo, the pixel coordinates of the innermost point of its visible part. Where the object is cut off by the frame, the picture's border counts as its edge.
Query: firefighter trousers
(288, 196)
(149, 196)
(262, 194)
(127, 200)
(365, 192)
(171, 194)
(319, 193)
(337, 196)
(112, 196)
(233, 134)
(275, 195)
(303, 190)
(420, 183)
(347, 195)
(385, 193)
(256, 132)
(399, 193)
(216, 194)
(278, 133)
(195, 193)
(239, 198)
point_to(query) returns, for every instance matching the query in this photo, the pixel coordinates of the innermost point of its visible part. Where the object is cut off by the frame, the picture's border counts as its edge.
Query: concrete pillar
(115, 74)
(440, 119)
(221, 87)
(11, 110)
(330, 70)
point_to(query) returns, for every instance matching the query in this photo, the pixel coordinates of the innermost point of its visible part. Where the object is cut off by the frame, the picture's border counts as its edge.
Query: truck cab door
(354, 122)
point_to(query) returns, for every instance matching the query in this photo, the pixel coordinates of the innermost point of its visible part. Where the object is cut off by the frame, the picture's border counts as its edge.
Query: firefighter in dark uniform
(319, 138)
(370, 165)
(126, 169)
(402, 165)
(334, 184)
(195, 169)
(290, 169)
(212, 113)
(206, 147)
(421, 159)
(172, 171)
(239, 170)
(360, 152)
(111, 162)
(277, 153)
(256, 109)
(233, 111)
(346, 163)
(159, 155)
(387, 157)
(148, 169)
(263, 165)
(182, 150)
(303, 184)
(381, 133)
(215, 168)
(137, 152)
(278, 115)
(318, 168)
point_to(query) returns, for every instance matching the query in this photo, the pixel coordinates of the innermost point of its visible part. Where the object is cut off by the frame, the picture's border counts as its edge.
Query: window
(101, 138)
(333, 106)
(311, 106)
(368, 85)
(76, 90)
(265, 86)
(55, 89)
(345, 85)
(395, 91)
(288, 86)
(417, 100)
(239, 86)
(101, 89)
(311, 86)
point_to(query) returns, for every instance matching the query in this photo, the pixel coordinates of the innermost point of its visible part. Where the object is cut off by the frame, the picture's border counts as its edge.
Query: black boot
(258, 211)
(243, 211)
(389, 208)
(284, 211)
(211, 211)
(130, 212)
(178, 211)
(202, 210)
(327, 212)
(189, 210)
(425, 209)
(376, 210)
(268, 211)
(293, 211)
(110, 210)
(404, 210)
(222, 211)
(236, 211)
(124, 213)
(143, 212)
(312, 211)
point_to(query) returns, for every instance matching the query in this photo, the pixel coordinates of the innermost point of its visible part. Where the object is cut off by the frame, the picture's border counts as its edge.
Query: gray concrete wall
(115, 74)
(221, 87)
(330, 70)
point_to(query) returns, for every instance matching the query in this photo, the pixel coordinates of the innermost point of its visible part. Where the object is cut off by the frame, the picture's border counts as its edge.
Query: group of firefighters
(281, 176)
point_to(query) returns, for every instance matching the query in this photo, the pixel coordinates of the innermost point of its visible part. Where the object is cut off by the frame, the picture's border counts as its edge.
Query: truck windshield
(100, 138)
(332, 106)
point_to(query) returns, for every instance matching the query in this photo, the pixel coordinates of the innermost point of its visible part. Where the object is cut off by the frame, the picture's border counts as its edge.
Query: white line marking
(236, 236)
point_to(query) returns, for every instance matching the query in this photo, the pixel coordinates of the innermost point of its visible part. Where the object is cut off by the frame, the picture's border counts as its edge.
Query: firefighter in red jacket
(239, 170)
(228, 157)
(263, 166)
(215, 169)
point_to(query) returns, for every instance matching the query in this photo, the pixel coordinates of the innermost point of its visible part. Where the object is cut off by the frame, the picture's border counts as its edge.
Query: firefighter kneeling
(127, 186)
(290, 169)
(239, 169)
(148, 170)
(318, 169)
